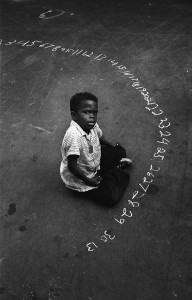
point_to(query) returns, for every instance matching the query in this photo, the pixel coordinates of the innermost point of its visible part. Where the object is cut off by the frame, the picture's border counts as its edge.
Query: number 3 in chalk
(89, 247)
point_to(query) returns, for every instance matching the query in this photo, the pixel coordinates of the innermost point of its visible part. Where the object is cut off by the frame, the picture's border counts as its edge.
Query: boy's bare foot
(124, 163)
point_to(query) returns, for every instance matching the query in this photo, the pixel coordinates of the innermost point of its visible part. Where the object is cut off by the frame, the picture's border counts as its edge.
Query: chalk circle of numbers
(150, 105)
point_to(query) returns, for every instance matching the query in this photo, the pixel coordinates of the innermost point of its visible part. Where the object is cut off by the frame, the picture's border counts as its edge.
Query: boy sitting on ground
(90, 164)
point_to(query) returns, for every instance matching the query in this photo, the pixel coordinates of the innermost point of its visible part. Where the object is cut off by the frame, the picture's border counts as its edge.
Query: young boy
(91, 164)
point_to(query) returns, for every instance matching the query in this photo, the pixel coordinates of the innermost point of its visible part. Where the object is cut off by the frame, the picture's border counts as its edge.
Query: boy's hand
(95, 181)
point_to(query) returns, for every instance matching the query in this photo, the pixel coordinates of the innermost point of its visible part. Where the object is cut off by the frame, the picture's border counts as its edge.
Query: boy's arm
(104, 142)
(74, 168)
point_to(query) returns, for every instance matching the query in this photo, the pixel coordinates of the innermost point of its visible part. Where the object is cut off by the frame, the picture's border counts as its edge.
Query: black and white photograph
(96, 149)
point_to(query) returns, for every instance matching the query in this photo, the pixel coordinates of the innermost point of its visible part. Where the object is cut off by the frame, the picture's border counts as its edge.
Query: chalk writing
(43, 45)
(10, 43)
(53, 14)
(86, 54)
(120, 221)
(135, 195)
(160, 151)
(100, 57)
(33, 43)
(105, 238)
(164, 134)
(56, 48)
(77, 52)
(28, 44)
(147, 180)
(167, 124)
(49, 46)
(121, 67)
(133, 203)
(91, 246)
(23, 43)
(113, 62)
(150, 105)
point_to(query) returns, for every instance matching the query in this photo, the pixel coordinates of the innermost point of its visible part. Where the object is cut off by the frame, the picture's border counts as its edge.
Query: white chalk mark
(125, 213)
(43, 15)
(121, 221)
(174, 294)
(135, 195)
(133, 204)
(108, 235)
(41, 129)
(165, 134)
(31, 92)
(161, 125)
(146, 181)
(150, 174)
(155, 170)
(144, 189)
(89, 247)
(43, 101)
(104, 238)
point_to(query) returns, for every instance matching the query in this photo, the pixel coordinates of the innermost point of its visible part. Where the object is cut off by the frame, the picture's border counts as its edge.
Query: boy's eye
(90, 112)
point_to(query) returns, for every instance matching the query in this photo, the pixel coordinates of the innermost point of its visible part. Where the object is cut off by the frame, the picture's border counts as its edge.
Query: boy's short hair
(78, 98)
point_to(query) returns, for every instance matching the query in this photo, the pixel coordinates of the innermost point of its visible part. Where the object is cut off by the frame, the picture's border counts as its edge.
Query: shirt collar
(73, 123)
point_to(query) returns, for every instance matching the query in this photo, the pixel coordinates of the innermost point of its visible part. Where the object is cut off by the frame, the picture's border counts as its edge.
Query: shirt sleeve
(71, 144)
(98, 130)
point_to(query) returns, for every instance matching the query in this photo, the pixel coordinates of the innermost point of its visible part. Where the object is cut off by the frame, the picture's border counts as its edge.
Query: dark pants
(114, 180)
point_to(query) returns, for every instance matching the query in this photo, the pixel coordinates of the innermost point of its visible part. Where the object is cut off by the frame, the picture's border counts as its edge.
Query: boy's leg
(110, 157)
(111, 188)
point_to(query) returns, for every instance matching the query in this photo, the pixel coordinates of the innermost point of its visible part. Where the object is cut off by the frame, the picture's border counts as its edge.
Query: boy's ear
(73, 115)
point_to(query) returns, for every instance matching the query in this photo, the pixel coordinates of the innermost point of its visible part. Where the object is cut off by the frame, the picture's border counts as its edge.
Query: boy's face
(86, 116)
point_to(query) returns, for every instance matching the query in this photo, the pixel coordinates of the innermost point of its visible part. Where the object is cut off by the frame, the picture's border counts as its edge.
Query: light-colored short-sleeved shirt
(87, 146)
